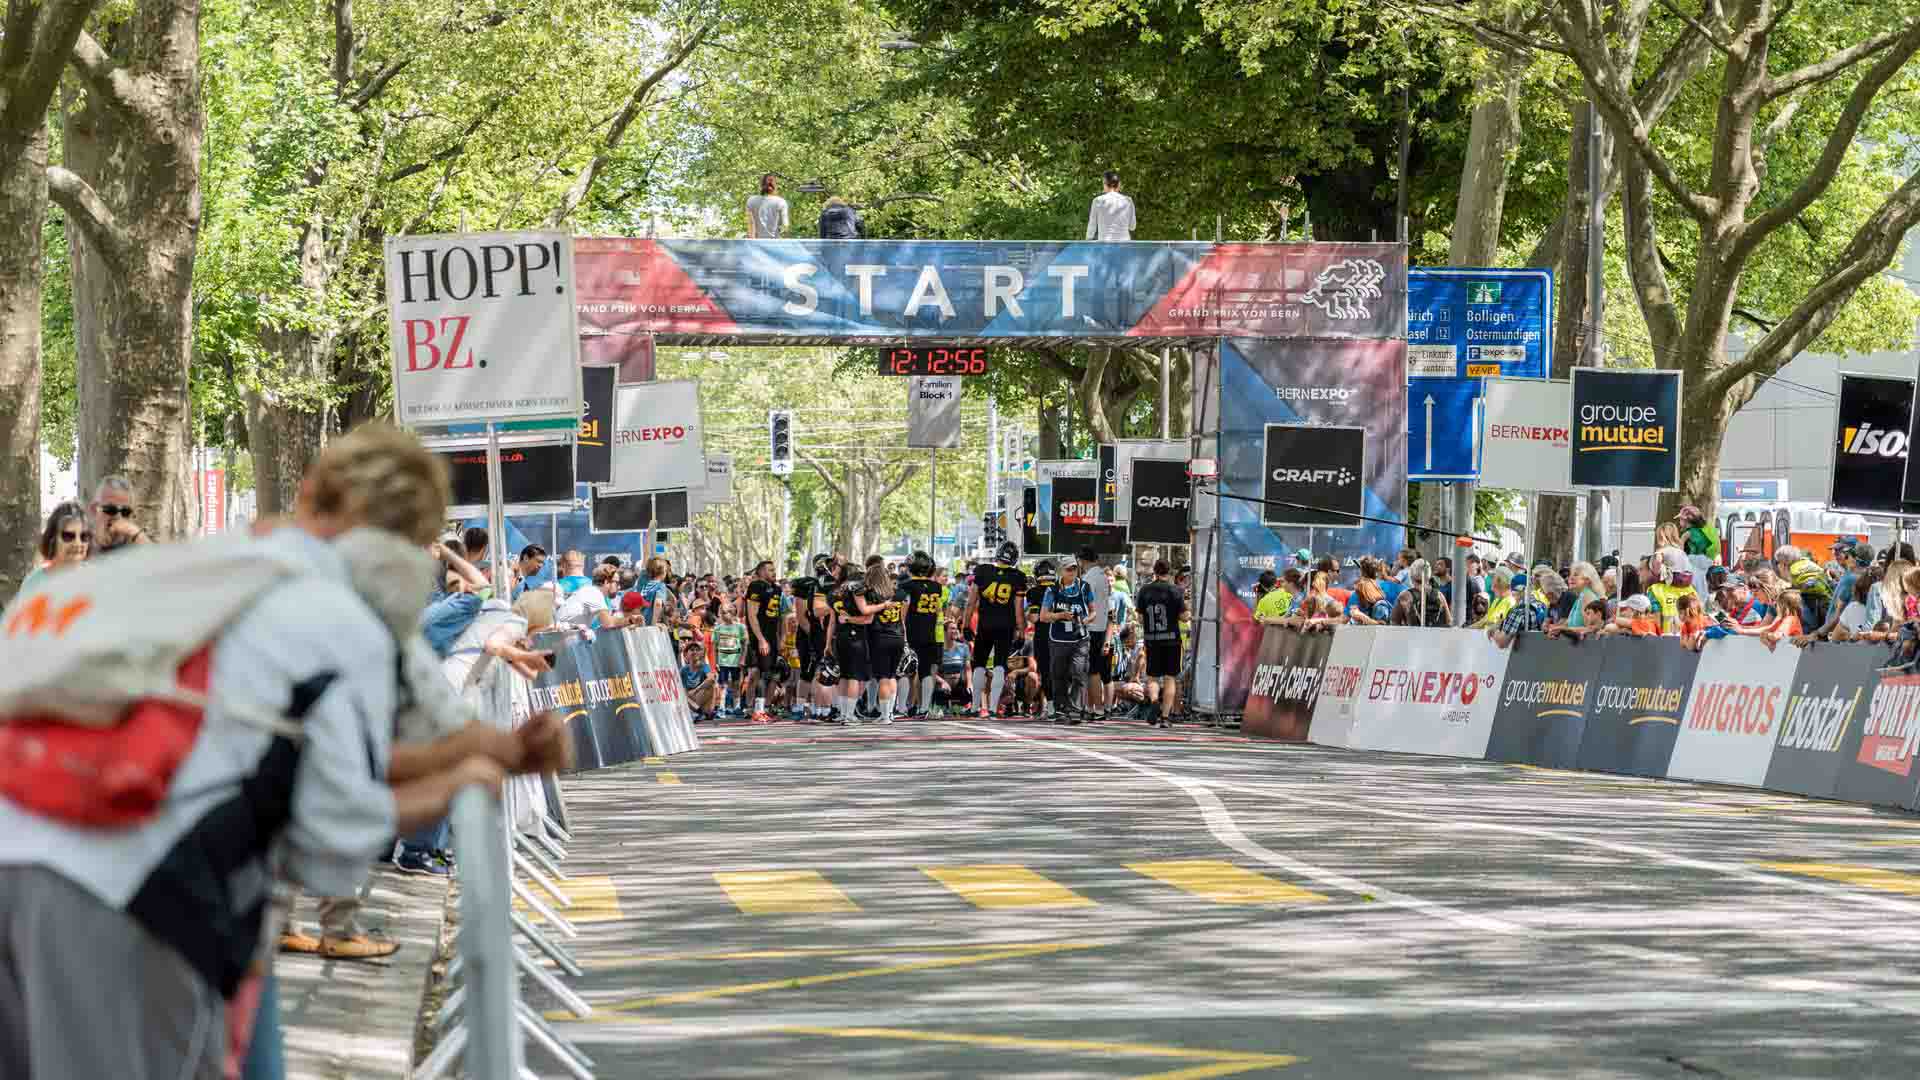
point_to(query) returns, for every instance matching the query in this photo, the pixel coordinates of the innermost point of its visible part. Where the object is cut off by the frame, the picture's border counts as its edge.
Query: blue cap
(1519, 581)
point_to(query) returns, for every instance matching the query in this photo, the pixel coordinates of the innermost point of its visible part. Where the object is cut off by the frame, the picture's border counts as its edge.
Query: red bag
(103, 777)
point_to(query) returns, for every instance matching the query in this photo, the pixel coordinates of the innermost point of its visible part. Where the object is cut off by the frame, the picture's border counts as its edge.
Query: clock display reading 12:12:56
(932, 360)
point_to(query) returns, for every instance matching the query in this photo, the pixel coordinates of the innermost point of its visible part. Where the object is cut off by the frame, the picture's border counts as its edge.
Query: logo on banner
(1557, 437)
(1818, 722)
(1869, 441)
(1343, 289)
(1318, 470)
(668, 434)
(1336, 477)
(1561, 697)
(1892, 733)
(1315, 393)
(1606, 428)
(1163, 502)
(1654, 704)
(1288, 682)
(1454, 691)
(1076, 513)
(1341, 682)
(1733, 708)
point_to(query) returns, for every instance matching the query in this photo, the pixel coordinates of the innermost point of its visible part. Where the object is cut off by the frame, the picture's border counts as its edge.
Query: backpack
(108, 664)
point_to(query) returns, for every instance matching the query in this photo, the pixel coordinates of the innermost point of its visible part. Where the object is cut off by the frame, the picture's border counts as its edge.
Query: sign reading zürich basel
(483, 327)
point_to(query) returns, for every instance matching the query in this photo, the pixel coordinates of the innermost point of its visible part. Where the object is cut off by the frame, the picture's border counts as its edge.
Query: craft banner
(1870, 443)
(1315, 476)
(1128, 451)
(1162, 502)
(1638, 697)
(1626, 428)
(847, 290)
(1341, 686)
(1527, 445)
(1324, 383)
(657, 442)
(1734, 713)
(540, 473)
(1542, 716)
(593, 446)
(1429, 691)
(482, 327)
(933, 412)
(1286, 684)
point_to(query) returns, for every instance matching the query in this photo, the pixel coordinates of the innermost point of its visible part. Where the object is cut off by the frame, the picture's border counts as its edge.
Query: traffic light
(780, 429)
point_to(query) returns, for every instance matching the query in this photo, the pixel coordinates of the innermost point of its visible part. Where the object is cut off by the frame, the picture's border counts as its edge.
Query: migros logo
(1731, 708)
(1869, 441)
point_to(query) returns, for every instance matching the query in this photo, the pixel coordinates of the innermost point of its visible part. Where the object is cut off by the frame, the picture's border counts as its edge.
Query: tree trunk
(1048, 422)
(131, 189)
(288, 417)
(1553, 525)
(1704, 416)
(23, 211)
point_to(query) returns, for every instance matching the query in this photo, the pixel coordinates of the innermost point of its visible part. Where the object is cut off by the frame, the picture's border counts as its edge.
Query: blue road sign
(1468, 322)
(944, 541)
(1443, 428)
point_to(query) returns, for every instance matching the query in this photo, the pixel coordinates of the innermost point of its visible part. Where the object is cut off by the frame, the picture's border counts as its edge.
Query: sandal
(292, 941)
(357, 947)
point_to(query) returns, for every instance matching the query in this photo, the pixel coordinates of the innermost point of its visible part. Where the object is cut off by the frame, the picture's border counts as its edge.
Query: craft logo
(1733, 708)
(1817, 722)
(1552, 697)
(1338, 477)
(1651, 704)
(1288, 682)
(1163, 502)
(1557, 437)
(1315, 393)
(1621, 427)
(1893, 726)
(664, 433)
(1869, 441)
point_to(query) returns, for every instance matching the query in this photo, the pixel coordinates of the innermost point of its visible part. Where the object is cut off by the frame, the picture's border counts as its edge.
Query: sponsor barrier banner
(1882, 769)
(620, 695)
(657, 443)
(483, 327)
(1286, 684)
(1734, 713)
(1016, 289)
(1528, 443)
(1635, 705)
(1341, 686)
(1626, 428)
(1428, 692)
(1820, 732)
(933, 412)
(1542, 717)
(593, 445)
(1870, 443)
(1162, 499)
(1321, 467)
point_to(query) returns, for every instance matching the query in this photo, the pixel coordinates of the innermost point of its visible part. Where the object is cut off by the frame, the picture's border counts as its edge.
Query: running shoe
(762, 718)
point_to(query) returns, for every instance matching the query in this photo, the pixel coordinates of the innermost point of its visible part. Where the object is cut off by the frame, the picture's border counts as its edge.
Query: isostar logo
(1817, 721)
(1562, 697)
(664, 433)
(1893, 726)
(1869, 441)
(1731, 708)
(1315, 393)
(1557, 437)
(1344, 289)
(1416, 687)
(1621, 427)
(1655, 704)
(1162, 502)
(1340, 477)
(1287, 682)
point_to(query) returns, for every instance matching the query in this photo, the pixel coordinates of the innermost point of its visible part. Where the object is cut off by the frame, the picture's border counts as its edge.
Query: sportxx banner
(1286, 683)
(1626, 428)
(772, 289)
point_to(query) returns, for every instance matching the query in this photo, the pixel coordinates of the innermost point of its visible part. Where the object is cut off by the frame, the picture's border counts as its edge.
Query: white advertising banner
(664, 715)
(483, 327)
(1428, 692)
(657, 442)
(1528, 442)
(1125, 452)
(1342, 685)
(1739, 700)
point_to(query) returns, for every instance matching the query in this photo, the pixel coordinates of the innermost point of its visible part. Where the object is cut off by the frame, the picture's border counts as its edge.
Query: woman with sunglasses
(66, 541)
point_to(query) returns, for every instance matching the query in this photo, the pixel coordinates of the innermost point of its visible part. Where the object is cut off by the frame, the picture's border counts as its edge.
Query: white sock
(999, 684)
(926, 693)
(979, 686)
(902, 690)
(886, 711)
(760, 704)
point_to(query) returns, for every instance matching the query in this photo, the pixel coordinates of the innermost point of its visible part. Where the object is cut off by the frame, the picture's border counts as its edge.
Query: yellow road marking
(1223, 1062)
(782, 892)
(667, 777)
(1225, 883)
(804, 951)
(1870, 877)
(594, 899)
(1005, 886)
(740, 989)
(653, 760)
(1757, 808)
(1889, 843)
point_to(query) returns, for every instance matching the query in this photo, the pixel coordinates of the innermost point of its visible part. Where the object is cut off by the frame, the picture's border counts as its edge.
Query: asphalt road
(1008, 899)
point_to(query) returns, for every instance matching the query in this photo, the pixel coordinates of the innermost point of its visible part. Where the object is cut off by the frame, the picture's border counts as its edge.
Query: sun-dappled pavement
(964, 898)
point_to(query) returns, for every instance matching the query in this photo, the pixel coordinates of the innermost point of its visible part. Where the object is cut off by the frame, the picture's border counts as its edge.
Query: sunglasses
(117, 511)
(75, 537)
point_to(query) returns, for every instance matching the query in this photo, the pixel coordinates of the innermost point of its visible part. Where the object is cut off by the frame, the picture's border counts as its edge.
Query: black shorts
(850, 648)
(927, 655)
(770, 664)
(1163, 659)
(883, 654)
(812, 646)
(1099, 664)
(992, 646)
(1042, 655)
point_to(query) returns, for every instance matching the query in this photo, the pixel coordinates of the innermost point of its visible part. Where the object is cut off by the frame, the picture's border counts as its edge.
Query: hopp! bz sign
(1626, 429)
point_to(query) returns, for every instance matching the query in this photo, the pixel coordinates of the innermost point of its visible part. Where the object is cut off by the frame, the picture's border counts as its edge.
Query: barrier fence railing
(1828, 720)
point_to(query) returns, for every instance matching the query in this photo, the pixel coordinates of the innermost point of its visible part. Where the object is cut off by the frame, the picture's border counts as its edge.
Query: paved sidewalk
(355, 1019)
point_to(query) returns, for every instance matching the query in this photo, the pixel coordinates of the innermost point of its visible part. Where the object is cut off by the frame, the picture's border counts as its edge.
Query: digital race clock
(932, 360)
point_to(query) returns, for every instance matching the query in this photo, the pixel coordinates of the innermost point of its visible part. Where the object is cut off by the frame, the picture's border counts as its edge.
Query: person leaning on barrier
(1421, 604)
(1527, 613)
